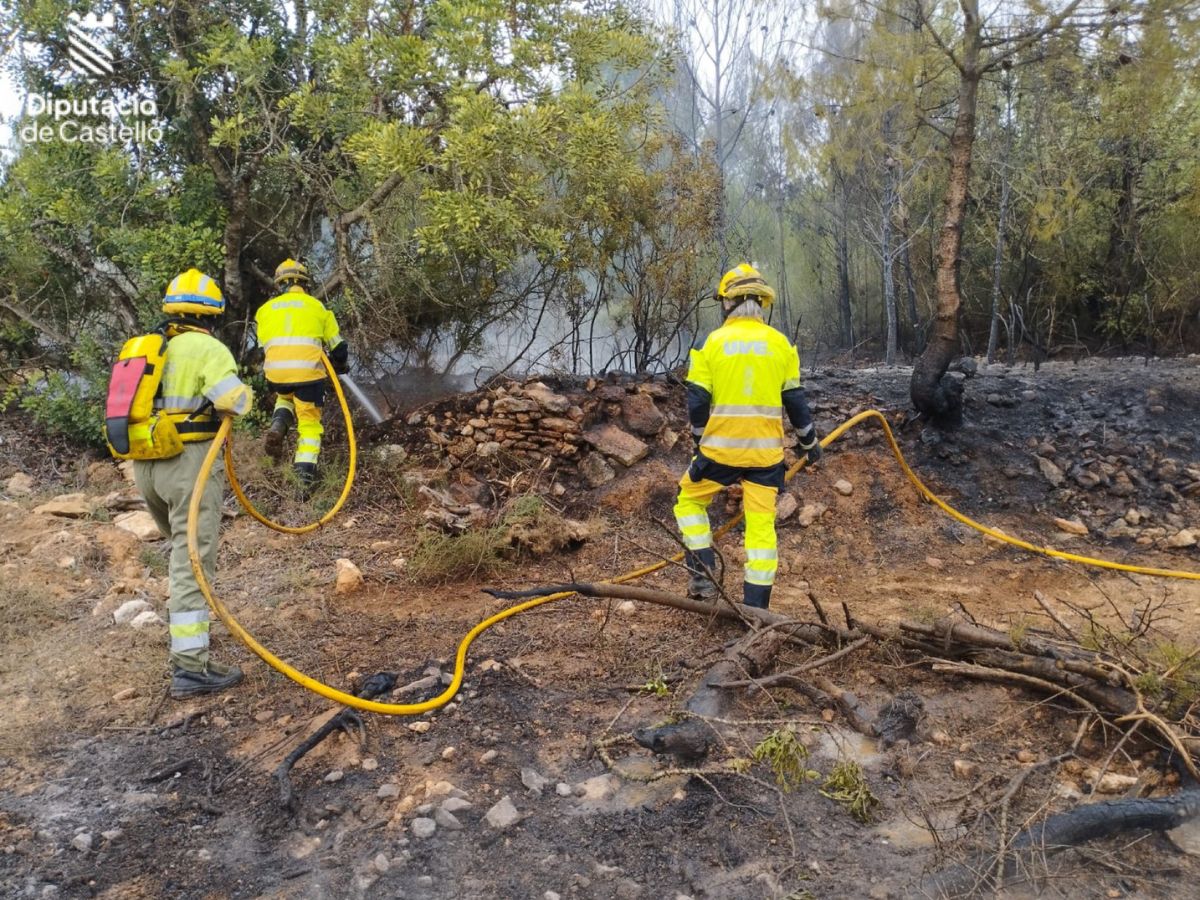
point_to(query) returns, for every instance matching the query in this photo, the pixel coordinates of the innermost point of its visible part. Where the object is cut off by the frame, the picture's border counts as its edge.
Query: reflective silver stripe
(190, 404)
(697, 541)
(757, 576)
(226, 385)
(191, 617)
(293, 364)
(688, 521)
(195, 642)
(791, 384)
(726, 409)
(697, 431)
(306, 457)
(743, 443)
(241, 406)
(292, 342)
(806, 430)
(762, 554)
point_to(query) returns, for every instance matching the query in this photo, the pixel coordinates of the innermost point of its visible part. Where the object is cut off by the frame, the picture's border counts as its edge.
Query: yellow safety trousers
(309, 429)
(758, 503)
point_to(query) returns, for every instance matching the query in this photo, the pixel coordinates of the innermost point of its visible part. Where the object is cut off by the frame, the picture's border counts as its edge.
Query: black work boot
(306, 474)
(214, 678)
(700, 563)
(756, 595)
(281, 423)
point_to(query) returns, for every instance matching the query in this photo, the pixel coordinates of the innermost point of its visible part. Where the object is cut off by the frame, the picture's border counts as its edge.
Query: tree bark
(934, 394)
(1005, 190)
(842, 245)
(889, 280)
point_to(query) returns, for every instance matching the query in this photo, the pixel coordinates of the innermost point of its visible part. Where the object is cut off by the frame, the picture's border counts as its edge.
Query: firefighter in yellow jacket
(294, 328)
(741, 380)
(199, 385)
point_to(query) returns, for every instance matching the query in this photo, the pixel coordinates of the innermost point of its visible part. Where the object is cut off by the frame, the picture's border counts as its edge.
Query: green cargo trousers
(166, 484)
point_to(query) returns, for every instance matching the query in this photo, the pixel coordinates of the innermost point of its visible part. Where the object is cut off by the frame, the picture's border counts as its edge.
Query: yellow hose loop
(341, 500)
(411, 709)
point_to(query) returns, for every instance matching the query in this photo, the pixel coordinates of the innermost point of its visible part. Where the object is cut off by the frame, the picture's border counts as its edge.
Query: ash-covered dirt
(107, 789)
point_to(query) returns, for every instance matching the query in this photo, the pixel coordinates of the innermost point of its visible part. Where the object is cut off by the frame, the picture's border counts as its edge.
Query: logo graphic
(88, 44)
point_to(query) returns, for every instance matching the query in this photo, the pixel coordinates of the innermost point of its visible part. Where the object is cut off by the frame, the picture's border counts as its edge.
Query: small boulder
(446, 819)
(1051, 472)
(503, 815)
(785, 507)
(68, 506)
(423, 828)
(19, 485)
(82, 841)
(130, 610)
(140, 524)
(127, 694)
(533, 780)
(349, 577)
(810, 513)
(965, 769)
(335, 776)
(641, 415)
(388, 791)
(1071, 526)
(616, 443)
(843, 487)
(1182, 539)
(146, 619)
(595, 470)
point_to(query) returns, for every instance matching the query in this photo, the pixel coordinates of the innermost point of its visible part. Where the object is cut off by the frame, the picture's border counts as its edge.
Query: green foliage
(70, 405)
(656, 683)
(786, 756)
(848, 786)
(441, 557)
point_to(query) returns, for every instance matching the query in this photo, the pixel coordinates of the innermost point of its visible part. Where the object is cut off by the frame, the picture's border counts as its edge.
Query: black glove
(341, 366)
(813, 452)
(339, 358)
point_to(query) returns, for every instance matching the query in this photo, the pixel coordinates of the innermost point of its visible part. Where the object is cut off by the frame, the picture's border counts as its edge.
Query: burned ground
(108, 790)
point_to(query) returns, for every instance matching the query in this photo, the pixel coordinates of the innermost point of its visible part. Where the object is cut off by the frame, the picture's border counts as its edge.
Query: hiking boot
(273, 443)
(306, 476)
(213, 679)
(701, 587)
(700, 564)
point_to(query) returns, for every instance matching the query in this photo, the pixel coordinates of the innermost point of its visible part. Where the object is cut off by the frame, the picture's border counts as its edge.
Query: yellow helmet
(291, 270)
(192, 293)
(745, 281)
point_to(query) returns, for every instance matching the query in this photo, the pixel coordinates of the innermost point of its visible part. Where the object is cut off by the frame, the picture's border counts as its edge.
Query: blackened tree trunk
(1005, 191)
(933, 392)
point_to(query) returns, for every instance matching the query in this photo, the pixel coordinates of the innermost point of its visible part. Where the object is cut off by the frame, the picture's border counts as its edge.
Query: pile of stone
(587, 428)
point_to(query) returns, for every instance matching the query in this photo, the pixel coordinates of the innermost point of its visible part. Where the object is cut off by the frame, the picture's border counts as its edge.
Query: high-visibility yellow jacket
(199, 369)
(741, 378)
(293, 329)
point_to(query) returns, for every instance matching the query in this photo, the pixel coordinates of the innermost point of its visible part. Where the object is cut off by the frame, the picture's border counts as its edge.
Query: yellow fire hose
(409, 709)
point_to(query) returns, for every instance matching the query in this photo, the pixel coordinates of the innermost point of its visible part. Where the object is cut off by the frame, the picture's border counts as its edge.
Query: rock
(381, 863)
(786, 507)
(456, 804)
(82, 841)
(600, 787)
(488, 756)
(392, 454)
(1113, 783)
(68, 506)
(66, 562)
(595, 470)
(146, 619)
(446, 819)
(1051, 472)
(448, 753)
(130, 610)
(349, 577)
(668, 438)
(335, 776)
(641, 415)
(563, 789)
(388, 791)
(369, 764)
(965, 769)
(1026, 756)
(843, 487)
(263, 716)
(112, 834)
(503, 815)
(423, 828)
(552, 895)
(810, 513)
(1181, 539)
(620, 445)
(1134, 516)
(533, 780)
(549, 401)
(140, 524)
(933, 562)
(19, 485)
(940, 738)
(127, 694)
(419, 727)
(1071, 526)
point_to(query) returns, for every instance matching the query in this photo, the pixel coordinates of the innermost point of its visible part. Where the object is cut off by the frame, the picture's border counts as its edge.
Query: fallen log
(373, 686)
(1090, 822)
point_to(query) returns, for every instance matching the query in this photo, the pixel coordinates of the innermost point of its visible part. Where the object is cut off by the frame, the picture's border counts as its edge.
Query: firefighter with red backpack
(168, 392)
